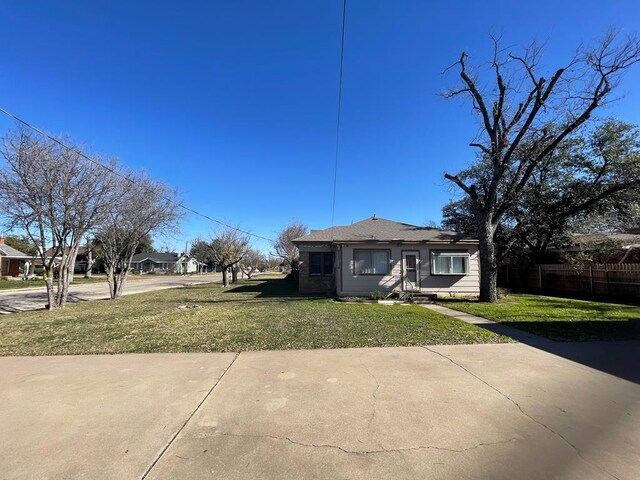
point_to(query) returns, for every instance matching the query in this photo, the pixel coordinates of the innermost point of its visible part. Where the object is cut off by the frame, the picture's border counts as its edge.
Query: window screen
(321, 263)
(371, 262)
(449, 263)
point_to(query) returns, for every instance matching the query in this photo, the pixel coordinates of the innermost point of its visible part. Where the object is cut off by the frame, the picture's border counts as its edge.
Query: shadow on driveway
(619, 357)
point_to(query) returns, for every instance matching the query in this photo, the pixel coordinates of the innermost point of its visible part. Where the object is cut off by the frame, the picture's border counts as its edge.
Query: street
(12, 301)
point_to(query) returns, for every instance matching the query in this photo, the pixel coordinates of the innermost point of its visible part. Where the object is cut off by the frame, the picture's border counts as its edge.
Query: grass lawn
(259, 314)
(13, 284)
(558, 318)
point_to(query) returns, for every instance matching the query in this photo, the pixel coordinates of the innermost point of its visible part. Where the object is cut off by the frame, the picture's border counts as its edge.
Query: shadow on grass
(600, 307)
(611, 346)
(581, 331)
(271, 288)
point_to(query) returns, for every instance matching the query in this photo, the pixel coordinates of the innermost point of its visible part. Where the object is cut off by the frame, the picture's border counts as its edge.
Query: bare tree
(524, 117)
(273, 262)
(227, 249)
(588, 185)
(138, 207)
(284, 247)
(54, 195)
(251, 262)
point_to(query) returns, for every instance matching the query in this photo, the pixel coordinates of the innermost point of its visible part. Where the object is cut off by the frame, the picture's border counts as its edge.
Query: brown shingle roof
(383, 230)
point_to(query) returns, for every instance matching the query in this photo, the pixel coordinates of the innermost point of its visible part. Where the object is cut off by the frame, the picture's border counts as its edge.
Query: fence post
(591, 278)
(606, 274)
(540, 277)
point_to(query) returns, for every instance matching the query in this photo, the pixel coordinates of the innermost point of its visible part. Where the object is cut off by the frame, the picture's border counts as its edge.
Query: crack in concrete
(166, 447)
(363, 452)
(517, 405)
(373, 394)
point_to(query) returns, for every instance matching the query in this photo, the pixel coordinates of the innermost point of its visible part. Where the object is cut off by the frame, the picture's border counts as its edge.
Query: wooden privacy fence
(602, 280)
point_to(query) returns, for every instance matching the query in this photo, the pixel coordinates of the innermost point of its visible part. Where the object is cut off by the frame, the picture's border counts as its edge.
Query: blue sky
(234, 103)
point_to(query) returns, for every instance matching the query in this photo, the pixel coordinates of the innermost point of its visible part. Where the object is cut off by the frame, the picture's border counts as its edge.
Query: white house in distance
(170, 262)
(376, 254)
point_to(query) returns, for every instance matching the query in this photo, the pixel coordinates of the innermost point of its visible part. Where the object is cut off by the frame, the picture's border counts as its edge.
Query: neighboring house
(11, 260)
(164, 263)
(382, 255)
(620, 247)
(82, 259)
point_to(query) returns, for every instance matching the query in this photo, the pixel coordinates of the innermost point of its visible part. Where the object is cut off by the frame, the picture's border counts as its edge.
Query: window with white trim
(449, 263)
(371, 262)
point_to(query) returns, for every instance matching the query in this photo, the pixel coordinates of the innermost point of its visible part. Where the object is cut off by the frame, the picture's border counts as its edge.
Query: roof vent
(374, 217)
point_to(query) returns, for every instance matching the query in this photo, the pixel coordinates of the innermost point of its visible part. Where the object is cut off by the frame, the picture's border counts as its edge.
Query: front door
(411, 271)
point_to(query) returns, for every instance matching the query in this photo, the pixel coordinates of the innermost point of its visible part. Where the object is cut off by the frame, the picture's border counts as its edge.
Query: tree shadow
(581, 331)
(616, 350)
(271, 288)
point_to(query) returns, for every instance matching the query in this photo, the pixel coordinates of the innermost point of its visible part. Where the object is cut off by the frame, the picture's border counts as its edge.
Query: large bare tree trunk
(65, 275)
(110, 279)
(51, 298)
(120, 280)
(225, 278)
(90, 262)
(488, 264)
(234, 274)
(117, 279)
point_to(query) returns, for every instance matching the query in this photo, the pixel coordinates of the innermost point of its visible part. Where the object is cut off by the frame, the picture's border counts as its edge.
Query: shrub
(377, 295)
(503, 292)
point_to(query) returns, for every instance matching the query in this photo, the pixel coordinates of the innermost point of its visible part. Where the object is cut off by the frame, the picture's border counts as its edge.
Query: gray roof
(7, 251)
(157, 257)
(382, 230)
(595, 238)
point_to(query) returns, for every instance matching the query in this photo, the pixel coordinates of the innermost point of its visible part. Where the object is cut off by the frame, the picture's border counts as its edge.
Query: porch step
(417, 297)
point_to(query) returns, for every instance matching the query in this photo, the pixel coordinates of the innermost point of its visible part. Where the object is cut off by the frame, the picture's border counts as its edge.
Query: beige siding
(350, 284)
(467, 284)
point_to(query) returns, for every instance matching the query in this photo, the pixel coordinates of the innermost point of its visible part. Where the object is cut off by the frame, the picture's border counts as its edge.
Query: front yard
(260, 314)
(558, 318)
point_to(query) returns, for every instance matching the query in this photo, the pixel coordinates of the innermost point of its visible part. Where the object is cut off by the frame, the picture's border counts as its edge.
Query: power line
(335, 165)
(121, 175)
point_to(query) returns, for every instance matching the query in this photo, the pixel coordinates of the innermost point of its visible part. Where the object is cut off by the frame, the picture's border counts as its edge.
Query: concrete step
(418, 297)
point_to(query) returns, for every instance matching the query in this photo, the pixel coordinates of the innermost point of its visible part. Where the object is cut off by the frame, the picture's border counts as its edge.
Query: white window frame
(444, 253)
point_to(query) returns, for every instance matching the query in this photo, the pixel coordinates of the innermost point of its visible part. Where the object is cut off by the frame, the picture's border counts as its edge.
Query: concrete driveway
(19, 300)
(445, 412)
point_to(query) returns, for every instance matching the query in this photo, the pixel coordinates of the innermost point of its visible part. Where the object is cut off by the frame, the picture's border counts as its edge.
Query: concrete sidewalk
(471, 411)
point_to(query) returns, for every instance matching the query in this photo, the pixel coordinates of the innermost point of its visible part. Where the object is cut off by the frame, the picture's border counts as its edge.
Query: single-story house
(11, 260)
(376, 254)
(170, 262)
(82, 259)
